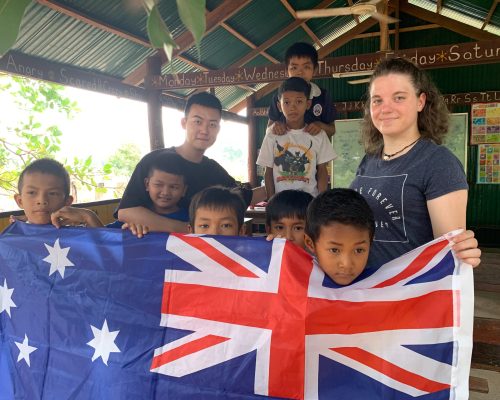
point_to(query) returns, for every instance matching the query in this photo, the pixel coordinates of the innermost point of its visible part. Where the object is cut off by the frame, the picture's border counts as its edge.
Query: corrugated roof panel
(74, 42)
(232, 95)
(259, 60)
(466, 12)
(258, 22)
(219, 49)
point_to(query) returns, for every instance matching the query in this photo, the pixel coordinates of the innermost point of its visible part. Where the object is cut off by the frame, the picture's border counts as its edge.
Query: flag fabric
(100, 314)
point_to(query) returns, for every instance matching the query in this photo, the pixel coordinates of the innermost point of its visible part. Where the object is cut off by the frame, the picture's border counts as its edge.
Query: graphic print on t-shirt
(385, 195)
(293, 161)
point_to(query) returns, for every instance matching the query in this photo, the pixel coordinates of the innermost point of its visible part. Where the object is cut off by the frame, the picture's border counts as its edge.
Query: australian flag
(100, 314)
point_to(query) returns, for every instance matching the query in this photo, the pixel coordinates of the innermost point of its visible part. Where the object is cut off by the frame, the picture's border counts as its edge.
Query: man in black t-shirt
(201, 122)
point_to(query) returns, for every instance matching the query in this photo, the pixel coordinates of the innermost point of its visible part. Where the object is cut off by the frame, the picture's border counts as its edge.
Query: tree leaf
(11, 15)
(192, 15)
(159, 34)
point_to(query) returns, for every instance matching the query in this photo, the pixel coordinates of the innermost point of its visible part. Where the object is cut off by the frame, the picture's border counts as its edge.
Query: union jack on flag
(96, 313)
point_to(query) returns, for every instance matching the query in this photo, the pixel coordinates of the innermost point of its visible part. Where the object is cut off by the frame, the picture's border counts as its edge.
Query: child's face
(165, 190)
(212, 221)
(301, 67)
(290, 228)
(294, 105)
(41, 195)
(342, 251)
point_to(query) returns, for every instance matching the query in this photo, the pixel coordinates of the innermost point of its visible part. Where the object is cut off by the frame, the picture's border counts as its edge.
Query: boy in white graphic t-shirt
(295, 160)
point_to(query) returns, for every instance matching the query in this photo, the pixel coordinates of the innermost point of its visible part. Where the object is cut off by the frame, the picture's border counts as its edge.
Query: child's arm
(269, 181)
(322, 177)
(317, 126)
(155, 223)
(75, 216)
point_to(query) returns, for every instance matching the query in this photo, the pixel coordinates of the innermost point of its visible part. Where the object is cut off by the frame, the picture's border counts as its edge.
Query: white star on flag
(103, 342)
(58, 258)
(6, 298)
(25, 350)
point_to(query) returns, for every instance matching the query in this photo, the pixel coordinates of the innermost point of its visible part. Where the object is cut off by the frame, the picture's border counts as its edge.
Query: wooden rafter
(75, 14)
(243, 39)
(224, 11)
(275, 38)
(490, 13)
(304, 26)
(322, 53)
(445, 22)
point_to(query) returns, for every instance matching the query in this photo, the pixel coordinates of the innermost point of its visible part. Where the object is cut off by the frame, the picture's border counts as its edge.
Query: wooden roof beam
(490, 13)
(224, 11)
(275, 38)
(445, 22)
(304, 26)
(75, 14)
(243, 39)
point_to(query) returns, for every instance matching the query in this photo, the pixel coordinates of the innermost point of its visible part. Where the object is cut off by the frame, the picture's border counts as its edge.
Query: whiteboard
(349, 146)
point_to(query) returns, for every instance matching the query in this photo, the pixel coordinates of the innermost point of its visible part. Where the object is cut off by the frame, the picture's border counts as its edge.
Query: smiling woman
(416, 187)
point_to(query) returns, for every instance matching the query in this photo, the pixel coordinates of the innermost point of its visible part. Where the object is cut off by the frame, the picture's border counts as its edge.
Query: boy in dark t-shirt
(201, 123)
(302, 61)
(166, 187)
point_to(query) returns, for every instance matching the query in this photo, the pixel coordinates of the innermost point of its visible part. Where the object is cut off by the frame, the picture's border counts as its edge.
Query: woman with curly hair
(416, 187)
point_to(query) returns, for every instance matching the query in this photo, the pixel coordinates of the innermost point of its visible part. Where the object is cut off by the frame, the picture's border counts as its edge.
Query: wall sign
(485, 123)
(488, 163)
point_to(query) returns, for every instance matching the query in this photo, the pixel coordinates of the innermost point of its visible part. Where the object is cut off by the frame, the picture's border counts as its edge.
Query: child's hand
(312, 128)
(66, 216)
(136, 229)
(75, 216)
(466, 249)
(278, 128)
(13, 218)
(272, 236)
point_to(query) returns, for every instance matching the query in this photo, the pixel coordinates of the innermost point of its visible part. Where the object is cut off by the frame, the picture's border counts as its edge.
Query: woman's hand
(466, 248)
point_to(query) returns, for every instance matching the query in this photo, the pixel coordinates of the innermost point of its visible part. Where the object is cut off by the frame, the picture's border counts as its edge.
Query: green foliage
(158, 32)
(11, 14)
(192, 14)
(232, 154)
(29, 138)
(124, 159)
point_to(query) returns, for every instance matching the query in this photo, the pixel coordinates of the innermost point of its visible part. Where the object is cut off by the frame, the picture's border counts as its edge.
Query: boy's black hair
(294, 84)
(287, 204)
(170, 163)
(203, 99)
(302, 49)
(218, 198)
(46, 166)
(345, 206)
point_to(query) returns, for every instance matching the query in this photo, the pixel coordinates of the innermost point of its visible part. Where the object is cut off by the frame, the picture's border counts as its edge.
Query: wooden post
(154, 106)
(252, 144)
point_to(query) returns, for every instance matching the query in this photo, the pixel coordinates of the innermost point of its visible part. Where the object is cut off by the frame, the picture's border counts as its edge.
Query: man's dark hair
(46, 166)
(170, 163)
(302, 49)
(203, 99)
(218, 198)
(344, 206)
(287, 204)
(294, 84)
